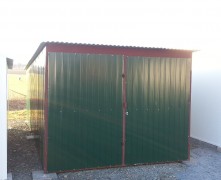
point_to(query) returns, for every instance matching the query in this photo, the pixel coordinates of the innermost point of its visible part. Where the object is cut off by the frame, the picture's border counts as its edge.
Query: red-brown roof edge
(44, 44)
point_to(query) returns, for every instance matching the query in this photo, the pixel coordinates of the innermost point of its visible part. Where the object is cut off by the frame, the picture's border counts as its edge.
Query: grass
(17, 115)
(17, 90)
(17, 86)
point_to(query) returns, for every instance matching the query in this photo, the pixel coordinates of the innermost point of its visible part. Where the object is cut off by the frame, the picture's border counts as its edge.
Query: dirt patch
(22, 153)
(16, 104)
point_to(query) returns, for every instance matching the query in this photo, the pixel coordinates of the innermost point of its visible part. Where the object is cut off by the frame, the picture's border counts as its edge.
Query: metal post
(124, 82)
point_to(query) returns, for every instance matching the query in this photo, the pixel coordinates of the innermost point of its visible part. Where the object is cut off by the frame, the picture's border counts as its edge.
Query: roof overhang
(90, 48)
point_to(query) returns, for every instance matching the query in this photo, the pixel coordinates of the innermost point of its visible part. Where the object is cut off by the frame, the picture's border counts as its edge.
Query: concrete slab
(28, 137)
(218, 149)
(9, 176)
(39, 175)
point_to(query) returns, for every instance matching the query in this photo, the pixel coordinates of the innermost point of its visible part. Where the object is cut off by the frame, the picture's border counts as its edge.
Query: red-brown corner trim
(124, 106)
(190, 111)
(45, 163)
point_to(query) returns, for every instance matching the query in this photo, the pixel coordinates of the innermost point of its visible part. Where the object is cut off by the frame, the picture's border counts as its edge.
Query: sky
(178, 24)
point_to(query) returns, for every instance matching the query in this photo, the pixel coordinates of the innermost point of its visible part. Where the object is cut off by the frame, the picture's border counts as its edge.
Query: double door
(107, 110)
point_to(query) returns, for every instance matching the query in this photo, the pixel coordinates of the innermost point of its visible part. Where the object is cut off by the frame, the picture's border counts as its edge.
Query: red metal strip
(189, 111)
(46, 117)
(124, 87)
(143, 52)
(116, 166)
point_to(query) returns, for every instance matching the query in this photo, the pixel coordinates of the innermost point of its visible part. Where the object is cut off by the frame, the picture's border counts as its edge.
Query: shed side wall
(35, 99)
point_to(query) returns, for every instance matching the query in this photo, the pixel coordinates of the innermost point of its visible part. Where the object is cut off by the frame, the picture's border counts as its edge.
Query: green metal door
(157, 124)
(85, 111)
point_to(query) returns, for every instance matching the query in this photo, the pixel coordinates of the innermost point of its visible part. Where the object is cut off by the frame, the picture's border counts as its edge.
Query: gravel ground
(22, 154)
(205, 162)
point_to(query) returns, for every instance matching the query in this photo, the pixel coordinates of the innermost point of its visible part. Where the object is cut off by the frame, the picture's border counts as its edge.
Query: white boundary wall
(3, 118)
(206, 97)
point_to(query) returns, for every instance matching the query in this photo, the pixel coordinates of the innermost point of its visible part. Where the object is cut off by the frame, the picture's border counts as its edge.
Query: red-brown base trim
(117, 166)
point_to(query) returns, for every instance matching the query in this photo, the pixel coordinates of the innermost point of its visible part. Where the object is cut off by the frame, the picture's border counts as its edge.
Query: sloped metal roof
(44, 44)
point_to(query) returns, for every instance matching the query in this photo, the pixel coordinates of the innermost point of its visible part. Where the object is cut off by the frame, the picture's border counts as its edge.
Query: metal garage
(96, 106)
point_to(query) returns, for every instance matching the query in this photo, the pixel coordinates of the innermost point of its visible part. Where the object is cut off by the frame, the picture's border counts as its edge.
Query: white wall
(3, 119)
(206, 97)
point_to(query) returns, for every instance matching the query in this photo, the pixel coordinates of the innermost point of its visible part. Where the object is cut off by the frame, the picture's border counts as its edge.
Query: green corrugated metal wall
(158, 92)
(85, 111)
